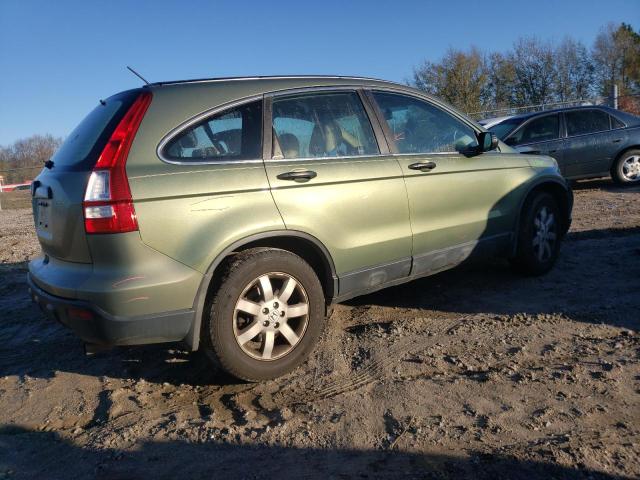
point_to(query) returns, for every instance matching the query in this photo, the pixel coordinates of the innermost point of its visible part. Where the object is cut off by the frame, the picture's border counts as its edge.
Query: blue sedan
(585, 141)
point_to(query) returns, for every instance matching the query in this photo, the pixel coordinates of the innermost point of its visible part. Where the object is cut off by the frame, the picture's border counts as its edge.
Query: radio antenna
(138, 75)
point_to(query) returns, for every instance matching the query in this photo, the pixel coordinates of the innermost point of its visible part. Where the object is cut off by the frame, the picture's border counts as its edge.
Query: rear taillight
(108, 206)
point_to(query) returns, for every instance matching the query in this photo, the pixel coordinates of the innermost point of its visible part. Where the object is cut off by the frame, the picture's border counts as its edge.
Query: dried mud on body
(475, 373)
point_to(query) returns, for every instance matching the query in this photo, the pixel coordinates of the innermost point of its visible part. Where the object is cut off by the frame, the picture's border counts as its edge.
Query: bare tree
(533, 64)
(461, 78)
(502, 79)
(616, 55)
(21, 161)
(574, 71)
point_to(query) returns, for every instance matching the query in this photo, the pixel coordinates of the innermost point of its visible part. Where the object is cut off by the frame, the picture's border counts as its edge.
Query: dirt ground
(472, 373)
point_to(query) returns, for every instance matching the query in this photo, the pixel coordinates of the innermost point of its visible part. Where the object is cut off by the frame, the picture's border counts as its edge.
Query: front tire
(266, 315)
(539, 235)
(626, 169)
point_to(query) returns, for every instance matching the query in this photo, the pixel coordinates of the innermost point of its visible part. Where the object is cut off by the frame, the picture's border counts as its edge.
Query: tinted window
(321, 125)
(234, 134)
(419, 127)
(586, 121)
(537, 130)
(83, 145)
(615, 123)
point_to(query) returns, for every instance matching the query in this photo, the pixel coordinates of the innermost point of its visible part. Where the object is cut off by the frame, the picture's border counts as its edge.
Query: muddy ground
(473, 373)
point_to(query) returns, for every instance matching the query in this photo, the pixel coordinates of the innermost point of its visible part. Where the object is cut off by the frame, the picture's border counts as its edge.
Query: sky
(57, 59)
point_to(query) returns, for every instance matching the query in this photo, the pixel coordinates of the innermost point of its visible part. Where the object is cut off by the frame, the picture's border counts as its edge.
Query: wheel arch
(306, 246)
(619, 155)
(562, 193)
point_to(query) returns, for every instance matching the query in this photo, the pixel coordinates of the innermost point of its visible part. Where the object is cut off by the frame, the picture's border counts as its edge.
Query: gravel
(472, 373)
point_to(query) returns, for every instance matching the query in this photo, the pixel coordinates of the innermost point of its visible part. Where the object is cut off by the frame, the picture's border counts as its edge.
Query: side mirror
(487, 141)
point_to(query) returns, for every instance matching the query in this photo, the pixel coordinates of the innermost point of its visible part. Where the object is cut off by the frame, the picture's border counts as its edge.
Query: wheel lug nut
(275, 304)
(265, 310)
(276, 324)
(282, 313)
(265, 323)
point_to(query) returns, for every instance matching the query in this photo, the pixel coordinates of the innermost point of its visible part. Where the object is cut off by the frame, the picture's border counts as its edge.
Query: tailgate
(57, 212)
(58, 192)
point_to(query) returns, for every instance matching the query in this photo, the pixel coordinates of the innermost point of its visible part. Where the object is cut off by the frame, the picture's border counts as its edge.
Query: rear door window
(234, 134)
(538, 130)
(581, 122)
(321, 125)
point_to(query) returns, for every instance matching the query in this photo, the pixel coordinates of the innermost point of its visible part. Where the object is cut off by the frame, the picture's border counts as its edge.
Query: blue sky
(58, 58)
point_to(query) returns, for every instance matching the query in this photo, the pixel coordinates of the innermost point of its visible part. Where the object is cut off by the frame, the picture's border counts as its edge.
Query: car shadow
(33, 344)
(34, 454)
(605, 183)
(574, 286)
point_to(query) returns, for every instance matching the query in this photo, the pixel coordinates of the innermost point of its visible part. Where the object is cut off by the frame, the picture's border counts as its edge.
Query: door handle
(617, 140)
(298, 175)
(423, 166)
(552, 151)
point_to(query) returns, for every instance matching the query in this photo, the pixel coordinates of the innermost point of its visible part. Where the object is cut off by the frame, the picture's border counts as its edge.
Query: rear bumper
(94, 325)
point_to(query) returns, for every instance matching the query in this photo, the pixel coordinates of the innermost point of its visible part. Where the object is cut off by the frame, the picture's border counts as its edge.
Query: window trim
(385, 126)
(203, 116)
(566, 123)
(383, 149)
(561, 131)
(611, 117)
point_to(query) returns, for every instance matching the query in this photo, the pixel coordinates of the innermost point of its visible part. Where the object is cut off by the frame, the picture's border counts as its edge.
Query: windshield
(505, 127)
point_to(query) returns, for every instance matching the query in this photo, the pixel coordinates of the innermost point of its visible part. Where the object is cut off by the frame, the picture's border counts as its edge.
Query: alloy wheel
(271, 316)
(631, 168)
(544, 235)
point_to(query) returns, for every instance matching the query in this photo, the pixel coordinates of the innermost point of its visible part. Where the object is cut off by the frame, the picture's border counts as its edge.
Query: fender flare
(192, 339)
(537, 182)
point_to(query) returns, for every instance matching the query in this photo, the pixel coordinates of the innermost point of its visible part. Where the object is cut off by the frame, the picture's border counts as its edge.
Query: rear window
(586, 121)
(615, 123)
(85, 143)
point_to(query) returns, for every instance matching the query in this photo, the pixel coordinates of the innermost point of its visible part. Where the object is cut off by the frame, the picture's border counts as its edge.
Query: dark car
(585, 141)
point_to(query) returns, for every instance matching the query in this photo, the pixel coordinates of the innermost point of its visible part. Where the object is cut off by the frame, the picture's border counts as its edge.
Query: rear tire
(539, 235)
(266, 316)
(626, 169)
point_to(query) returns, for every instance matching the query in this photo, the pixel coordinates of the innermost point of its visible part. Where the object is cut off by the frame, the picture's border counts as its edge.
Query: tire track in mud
(374, 370)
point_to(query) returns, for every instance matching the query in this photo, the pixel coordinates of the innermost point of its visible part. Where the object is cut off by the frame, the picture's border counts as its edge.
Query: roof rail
(268, 77)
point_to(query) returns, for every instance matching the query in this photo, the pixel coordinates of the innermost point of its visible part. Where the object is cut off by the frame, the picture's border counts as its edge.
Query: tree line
(24, 159)
(535, 72)
(532, 72)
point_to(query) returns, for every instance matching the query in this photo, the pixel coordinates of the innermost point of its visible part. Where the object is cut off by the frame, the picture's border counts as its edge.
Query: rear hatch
(58, 192)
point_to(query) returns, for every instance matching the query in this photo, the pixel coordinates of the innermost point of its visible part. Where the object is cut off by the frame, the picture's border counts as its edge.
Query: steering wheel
(218, 148)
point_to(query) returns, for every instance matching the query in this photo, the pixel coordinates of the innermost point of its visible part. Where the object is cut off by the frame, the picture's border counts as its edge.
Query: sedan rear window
(586, 121)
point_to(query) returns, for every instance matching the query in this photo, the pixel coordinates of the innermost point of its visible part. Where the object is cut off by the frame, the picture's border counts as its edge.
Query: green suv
(230, 213)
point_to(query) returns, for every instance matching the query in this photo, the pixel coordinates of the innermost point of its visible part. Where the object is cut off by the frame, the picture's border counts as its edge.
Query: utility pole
(614, 96)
